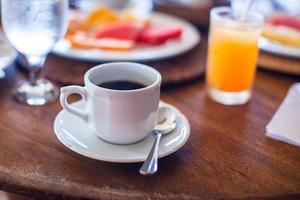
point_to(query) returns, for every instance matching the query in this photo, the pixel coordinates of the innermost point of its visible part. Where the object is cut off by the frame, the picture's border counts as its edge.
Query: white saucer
(76, 135)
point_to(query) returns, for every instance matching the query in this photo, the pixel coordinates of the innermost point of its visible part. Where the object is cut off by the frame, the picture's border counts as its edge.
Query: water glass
(33, 27)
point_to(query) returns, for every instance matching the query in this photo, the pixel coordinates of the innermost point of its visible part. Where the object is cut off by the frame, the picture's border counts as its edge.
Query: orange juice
(232, 55)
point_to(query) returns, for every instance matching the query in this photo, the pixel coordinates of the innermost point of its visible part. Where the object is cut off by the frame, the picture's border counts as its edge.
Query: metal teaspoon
(166, 124)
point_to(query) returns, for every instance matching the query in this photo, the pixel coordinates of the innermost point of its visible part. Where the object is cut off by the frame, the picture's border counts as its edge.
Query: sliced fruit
(125, 31)
(282, 19)
(282, 34)
(82, 41)
(75, 25)
(159, 34)
(101, 15)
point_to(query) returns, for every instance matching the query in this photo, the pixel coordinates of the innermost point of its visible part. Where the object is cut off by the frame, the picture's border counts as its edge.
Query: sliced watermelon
(282, 19)
(159, 34)
(124, 31)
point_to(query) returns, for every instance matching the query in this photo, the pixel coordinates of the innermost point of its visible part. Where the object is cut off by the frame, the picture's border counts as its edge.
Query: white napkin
(285, 124)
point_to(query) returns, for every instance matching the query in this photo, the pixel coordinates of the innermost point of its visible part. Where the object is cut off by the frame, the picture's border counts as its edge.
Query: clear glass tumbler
(232, 55)
(33, 27)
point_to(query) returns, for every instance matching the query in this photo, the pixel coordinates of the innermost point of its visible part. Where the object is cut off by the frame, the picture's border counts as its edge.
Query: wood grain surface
(196, 12)
(279, 63)
(227, 156)
(9, 196)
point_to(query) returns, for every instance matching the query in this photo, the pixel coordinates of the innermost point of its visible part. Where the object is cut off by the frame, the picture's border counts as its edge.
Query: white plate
(190, 38)
(278, 49)
(76, 135)
(7, 54)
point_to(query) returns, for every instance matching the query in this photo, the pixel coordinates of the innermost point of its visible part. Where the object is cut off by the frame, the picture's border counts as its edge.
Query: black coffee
(121, 85)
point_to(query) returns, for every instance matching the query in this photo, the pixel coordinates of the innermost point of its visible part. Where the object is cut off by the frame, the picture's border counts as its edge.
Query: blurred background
(195, 11)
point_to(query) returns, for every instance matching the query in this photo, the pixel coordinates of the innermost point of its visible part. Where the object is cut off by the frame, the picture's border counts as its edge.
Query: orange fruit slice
(101, 15)
(80, 40)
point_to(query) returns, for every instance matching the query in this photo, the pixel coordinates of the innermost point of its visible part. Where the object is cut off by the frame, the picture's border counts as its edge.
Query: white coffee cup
(118, 116)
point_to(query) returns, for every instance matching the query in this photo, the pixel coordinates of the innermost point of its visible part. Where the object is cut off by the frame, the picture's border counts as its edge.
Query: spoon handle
(150, 165)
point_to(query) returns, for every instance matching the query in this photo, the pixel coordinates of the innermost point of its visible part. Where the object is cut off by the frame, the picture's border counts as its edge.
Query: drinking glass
(232, 55)
(33, 27)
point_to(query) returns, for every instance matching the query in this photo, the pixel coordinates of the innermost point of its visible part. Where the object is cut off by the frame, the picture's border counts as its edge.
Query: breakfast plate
(278, 48)
(281, 35)
(76, 135)
(189, 39)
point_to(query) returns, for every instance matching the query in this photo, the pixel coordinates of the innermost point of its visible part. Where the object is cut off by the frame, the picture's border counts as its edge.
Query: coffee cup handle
(65, 92)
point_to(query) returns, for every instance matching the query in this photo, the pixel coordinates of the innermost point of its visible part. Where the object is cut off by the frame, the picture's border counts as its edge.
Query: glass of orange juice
(232, 55)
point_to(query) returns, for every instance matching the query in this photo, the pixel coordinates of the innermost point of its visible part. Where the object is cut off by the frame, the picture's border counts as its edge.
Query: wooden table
(227, 155)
